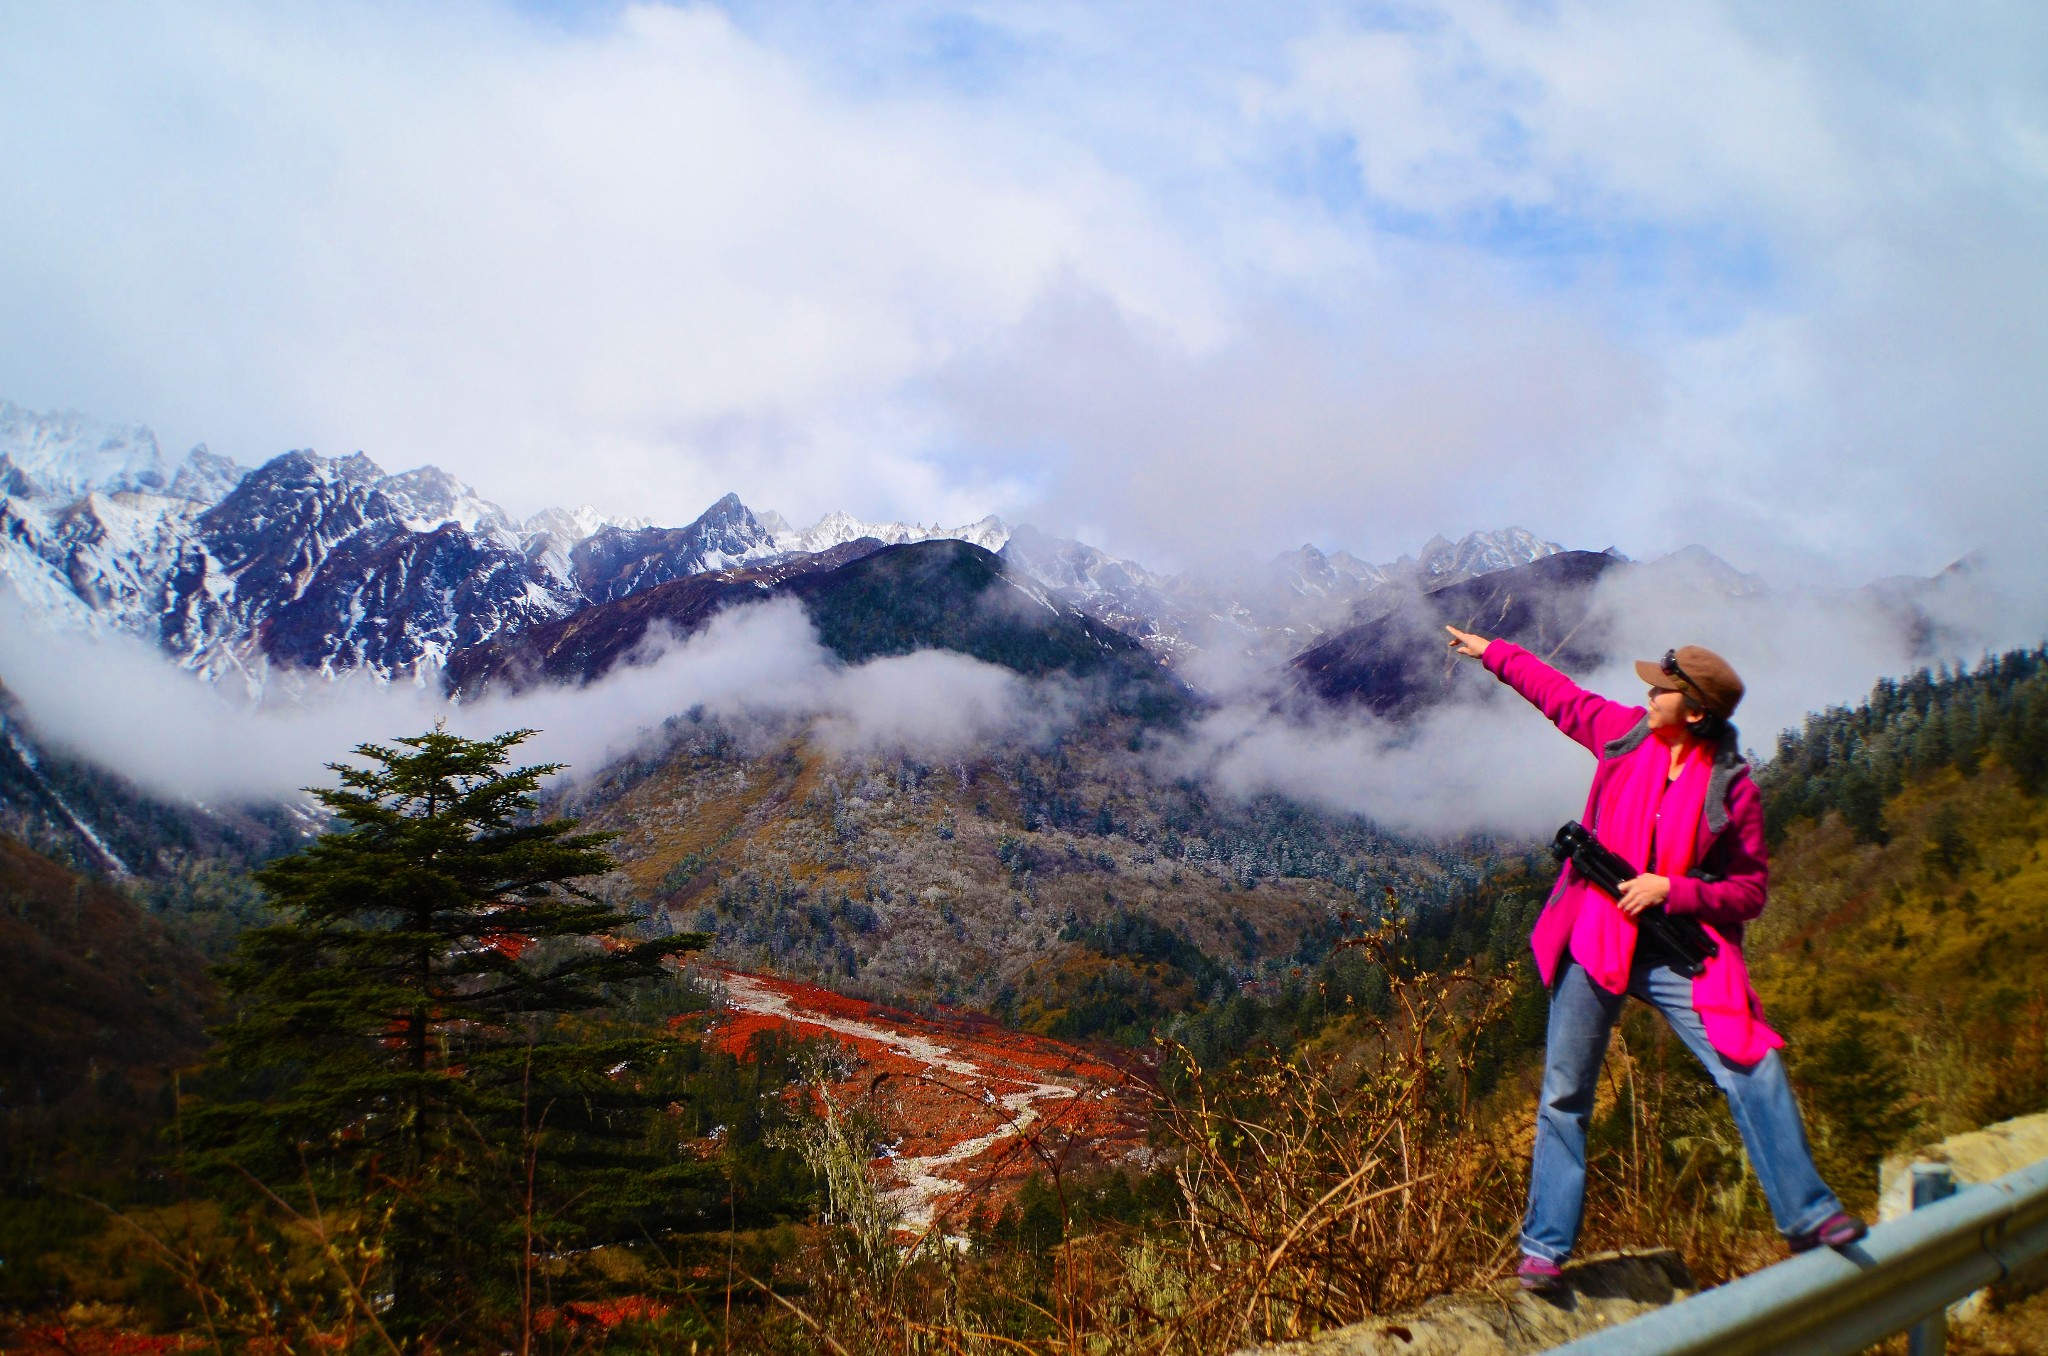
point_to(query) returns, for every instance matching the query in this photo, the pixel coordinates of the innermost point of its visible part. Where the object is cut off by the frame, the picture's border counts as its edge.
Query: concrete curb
(1603, 1290)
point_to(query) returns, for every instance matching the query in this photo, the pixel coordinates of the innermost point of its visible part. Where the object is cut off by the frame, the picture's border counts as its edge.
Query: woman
(1672, 794)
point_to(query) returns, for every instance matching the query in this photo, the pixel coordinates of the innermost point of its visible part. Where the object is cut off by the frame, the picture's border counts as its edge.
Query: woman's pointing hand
(1467, 644)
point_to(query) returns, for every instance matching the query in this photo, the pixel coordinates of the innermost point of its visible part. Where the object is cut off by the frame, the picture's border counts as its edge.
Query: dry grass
(1314, 1189)
(1666, 1166)
(1322, 1189)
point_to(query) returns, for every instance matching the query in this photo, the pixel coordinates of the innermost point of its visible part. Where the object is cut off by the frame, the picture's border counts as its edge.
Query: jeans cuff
(1531, 1248)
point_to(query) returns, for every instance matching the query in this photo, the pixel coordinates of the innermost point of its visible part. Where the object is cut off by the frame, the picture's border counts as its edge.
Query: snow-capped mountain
(1122, 593)
(67, 456)
(1267, 610)
(1312, 574)
(837, 528)
(615, 561)
(1476, 554)
(328, 564)
(93, 517)
(310, 562)
(570, 526)
(429, 497)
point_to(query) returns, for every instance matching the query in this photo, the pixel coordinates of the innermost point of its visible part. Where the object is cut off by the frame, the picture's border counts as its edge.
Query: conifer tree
(1862, 1099)
(419, 1041)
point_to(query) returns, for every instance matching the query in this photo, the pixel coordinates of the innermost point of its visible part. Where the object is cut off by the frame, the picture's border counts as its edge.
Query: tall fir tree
(420, 1045)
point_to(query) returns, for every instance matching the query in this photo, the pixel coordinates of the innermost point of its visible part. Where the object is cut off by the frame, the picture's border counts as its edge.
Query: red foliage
(602, 1314)
(51, 1339)
(939, 1082)
(510, 945)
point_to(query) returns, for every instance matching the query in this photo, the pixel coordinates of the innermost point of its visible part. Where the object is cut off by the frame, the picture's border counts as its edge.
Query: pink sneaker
(1838, 1230)
(1540, 1275)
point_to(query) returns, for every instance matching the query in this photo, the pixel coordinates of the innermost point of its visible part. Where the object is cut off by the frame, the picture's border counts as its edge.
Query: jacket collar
(1728, 765)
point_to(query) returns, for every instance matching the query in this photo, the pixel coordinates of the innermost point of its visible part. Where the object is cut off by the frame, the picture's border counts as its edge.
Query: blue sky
(1184, 280)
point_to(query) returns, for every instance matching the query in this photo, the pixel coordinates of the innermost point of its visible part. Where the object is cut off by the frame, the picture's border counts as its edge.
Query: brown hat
(1700, 674)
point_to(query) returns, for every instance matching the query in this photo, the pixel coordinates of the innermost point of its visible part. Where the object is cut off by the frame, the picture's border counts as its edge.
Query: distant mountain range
(1005, 875)
(326, 565)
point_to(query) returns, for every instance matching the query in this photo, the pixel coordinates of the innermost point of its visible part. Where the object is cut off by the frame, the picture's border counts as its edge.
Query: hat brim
(1654, 675)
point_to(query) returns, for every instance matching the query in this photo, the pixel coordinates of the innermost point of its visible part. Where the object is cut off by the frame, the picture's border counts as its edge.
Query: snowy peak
(291, 500)
(1477, 553)
(569, 526)
(1312, 574)
(328, 563)
(988, 533)
(838, 527)
(1072, 567)
(205, 478)
(1266, 610)
(357, 468)
(615, 561)
(429, 497)
(1695, 567)
(67, 455)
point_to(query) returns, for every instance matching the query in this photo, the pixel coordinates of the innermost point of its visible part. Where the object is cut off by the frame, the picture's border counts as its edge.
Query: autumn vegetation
(518, 1148)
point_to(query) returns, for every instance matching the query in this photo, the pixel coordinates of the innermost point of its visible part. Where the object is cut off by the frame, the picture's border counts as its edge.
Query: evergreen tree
(1948, 847)
(2022, 741)
(1853, 760)
(1862, 1100)
(418, 1043)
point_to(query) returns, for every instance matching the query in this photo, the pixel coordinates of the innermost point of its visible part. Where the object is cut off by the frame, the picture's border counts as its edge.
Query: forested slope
(1907, 939)
(1850, 761)
(1067, 884)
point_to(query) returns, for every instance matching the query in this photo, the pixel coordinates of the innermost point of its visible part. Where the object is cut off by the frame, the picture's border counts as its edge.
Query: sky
(1183, 280)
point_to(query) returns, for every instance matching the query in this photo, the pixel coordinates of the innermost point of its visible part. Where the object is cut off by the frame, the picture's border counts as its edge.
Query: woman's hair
(1710, 726)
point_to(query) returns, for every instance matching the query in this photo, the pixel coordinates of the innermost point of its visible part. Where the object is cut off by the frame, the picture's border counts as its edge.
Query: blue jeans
(1582, 1016)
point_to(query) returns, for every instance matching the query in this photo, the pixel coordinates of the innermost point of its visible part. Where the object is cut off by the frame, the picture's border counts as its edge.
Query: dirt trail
(974, 1109)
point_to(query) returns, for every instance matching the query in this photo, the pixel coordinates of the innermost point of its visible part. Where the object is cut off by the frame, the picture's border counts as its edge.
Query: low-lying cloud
(119, 703)
(1479, 766)
(1482, 763)
(1486, 762)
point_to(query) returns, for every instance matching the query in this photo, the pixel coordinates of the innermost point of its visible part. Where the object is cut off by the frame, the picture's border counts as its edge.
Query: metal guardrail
(1836, 1303)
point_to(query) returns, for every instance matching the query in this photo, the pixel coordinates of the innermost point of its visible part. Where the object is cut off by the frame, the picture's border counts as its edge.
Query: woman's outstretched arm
(1587, 717)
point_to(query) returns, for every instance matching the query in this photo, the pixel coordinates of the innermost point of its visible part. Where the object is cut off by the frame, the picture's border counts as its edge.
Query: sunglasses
(1671, 670)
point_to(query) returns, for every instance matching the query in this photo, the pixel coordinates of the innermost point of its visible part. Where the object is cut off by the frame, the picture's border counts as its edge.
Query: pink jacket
(1733, 861)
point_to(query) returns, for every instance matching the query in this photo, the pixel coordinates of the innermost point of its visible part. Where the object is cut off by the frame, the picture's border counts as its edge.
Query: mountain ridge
(330, 564)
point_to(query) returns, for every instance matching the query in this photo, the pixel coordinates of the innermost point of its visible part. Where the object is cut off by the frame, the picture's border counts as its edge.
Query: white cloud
(1487, 763)
(1477, 767)
(121, 704)
(1641, 274)
(932, 703)
(655, 252)
(1668, 110)
(1482, 763)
